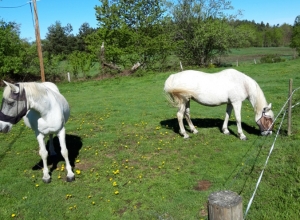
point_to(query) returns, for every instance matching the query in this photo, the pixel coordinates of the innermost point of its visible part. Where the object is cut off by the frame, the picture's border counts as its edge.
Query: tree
(59, 40)
(12, 49)
(131, 31)
(83, 32)
(203, 31)
(295, 41)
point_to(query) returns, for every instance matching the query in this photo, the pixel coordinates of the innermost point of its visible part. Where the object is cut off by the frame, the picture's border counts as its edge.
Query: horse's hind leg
(64, 152)
(188, 118)
(180, 114)
(227, 116)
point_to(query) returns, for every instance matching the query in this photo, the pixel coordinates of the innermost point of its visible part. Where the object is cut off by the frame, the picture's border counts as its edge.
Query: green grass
(123, 130)
(250, 55)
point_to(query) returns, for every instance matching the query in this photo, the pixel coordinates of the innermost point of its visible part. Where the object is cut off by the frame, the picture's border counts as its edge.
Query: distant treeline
(146, 32)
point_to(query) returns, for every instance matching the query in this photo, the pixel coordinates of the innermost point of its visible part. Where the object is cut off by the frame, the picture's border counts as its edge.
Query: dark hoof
(47, 180)
(70, 179)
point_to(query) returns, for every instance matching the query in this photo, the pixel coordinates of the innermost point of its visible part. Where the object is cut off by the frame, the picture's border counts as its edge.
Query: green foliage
(203, 31)
(271, 58)
(132, 31)
(295, 42)
(59, 40)
(12, 51)
(80, 62)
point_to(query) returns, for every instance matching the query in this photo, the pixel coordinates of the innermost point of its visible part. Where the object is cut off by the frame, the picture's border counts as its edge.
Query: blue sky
(76, 12)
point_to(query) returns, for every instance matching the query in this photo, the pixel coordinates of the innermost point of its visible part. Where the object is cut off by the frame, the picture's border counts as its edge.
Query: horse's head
(13, 107)
(265, 122)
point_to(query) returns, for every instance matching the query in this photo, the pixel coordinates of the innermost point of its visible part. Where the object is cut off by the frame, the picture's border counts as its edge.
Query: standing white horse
(44, 110)
(229, 87)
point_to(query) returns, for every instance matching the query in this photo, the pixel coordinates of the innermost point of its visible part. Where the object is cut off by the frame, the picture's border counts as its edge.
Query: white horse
(229, 87)
(44, 110)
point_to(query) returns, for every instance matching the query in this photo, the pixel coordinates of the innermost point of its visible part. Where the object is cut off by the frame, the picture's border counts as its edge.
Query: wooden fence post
(225, 205)
(290, 108)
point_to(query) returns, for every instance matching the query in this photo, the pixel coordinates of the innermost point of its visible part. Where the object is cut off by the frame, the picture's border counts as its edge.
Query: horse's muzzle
(265, 125)
(266, 133)
(5, 127)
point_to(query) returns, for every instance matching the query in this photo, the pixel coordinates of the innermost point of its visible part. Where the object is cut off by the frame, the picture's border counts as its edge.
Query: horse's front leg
(237, 111)
(44, 154)
(64, 152)
(180, 115)
(227, 116)
(188, 118)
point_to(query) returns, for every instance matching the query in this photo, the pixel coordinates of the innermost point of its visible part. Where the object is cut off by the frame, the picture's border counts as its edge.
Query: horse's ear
(13, 88)
(268, 108)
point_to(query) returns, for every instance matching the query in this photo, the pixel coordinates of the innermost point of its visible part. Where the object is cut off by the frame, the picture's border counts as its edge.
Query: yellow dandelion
(36, 185)
(93, 203)
(59, 177)
(116, 192)
(115, 184)
(78, 172)
(13, 215)
(77, 161)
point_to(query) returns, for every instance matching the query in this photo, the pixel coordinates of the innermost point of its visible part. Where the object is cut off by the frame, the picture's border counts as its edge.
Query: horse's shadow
(74, 145)
(172, 124)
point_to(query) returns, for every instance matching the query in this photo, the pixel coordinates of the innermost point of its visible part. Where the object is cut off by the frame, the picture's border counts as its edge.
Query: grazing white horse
(229, 87)
(44, 110)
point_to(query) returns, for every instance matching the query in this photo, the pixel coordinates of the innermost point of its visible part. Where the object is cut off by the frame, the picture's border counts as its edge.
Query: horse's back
(60, 99)
(210, 88)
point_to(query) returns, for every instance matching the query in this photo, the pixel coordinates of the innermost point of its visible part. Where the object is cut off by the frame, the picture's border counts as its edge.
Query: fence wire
(271, 149)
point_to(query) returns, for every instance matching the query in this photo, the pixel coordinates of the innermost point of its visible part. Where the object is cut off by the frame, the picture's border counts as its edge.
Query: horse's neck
(37, 98)
(257, 99)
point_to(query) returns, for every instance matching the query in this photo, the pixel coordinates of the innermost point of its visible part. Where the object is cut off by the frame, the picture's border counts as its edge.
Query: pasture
(131, 163)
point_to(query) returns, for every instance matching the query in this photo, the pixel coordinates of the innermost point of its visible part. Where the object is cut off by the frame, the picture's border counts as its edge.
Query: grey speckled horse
(44, 110)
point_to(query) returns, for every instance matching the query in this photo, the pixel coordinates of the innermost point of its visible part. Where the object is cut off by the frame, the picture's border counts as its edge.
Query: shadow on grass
(172, 124)
(74, 145)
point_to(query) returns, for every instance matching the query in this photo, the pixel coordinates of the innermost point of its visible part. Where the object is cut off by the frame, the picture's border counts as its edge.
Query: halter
(264, 121)
(17, 97)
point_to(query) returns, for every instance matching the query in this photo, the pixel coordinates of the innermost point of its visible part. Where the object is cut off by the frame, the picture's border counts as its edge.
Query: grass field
(251, 55)
(131, 163)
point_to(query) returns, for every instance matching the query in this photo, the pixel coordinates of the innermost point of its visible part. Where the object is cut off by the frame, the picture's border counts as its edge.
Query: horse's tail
(177, 95)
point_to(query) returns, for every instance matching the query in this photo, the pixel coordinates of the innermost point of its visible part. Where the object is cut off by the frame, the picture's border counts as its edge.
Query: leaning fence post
(225, 205)
(290, 108)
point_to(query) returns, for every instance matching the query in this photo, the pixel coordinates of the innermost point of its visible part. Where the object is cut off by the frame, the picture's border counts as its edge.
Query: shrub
(271, 58)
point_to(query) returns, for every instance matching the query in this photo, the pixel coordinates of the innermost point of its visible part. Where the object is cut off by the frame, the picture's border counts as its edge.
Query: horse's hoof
(70, 179)
(195, 131)
(244, 138)
(47, 180)
(185, 136)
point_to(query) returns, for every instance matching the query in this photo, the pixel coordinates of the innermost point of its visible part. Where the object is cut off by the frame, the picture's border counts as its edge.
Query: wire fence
(283, 110)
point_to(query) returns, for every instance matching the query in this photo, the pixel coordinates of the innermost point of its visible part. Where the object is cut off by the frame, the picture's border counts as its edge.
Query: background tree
(83, 32)
(295, 41)
(59, 40)
(202, 30)
(12, 49)
(131, 31)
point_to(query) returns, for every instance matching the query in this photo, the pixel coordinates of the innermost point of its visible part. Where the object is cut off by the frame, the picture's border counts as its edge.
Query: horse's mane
(33, 89)
(259, 99)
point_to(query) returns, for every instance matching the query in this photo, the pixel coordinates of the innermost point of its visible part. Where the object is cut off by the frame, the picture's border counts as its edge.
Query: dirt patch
(203, 185)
